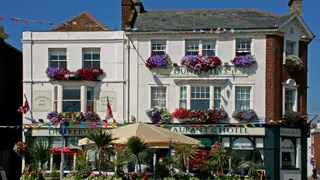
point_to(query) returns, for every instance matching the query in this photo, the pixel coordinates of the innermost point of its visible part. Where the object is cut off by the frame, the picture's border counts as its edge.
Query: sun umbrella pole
(62, 158)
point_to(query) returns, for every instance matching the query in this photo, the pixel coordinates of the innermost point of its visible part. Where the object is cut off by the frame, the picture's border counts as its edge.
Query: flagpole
(29, 105)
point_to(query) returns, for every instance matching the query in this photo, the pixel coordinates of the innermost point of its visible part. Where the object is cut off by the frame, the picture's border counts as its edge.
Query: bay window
(201, 47)
(290, 96)
(243, 98)
(75, 97)
(158, 97)
(199, 97)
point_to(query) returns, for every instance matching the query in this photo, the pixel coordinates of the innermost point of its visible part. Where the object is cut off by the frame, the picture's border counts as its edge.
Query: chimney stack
(127, 9)
(295, 6)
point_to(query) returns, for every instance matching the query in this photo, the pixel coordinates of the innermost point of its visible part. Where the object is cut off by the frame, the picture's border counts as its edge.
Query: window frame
(71, 100)
(58, 50)
(288, 42)
(83, 94)
(159, 41)
(294, 142)
(245, 50)
(150, 95)
(201, 46)
(289, 84)
(251, 95)
(211, 91)
(92, 60)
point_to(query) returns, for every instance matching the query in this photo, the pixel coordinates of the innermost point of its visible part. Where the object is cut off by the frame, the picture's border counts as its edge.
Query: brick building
(10, 99)
(268, 87)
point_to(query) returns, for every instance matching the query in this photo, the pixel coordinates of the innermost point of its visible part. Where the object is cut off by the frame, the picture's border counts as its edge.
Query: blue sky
(108, 12)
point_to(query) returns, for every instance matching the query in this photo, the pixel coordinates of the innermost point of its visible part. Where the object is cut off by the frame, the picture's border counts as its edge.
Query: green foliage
(162, 170)
(292, 117)
(54, 172)
(137, 146)
(183, 153)
(122, 158)
(219, 156)
(72, 177)
(81, 161)
(40, 154)
(252, 168)
(102, 141)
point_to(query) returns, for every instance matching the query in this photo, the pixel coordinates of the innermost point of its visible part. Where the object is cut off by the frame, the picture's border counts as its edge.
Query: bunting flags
(109, 114)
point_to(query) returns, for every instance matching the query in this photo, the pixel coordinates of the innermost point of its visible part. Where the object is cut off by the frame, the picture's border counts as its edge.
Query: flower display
(158, 61)
(293, 63)
(243, 61)
(20, 148)
(217, 114)
(245, 115)
(198, 116)
(91, 116)
(181, 113)
(73, 116)
(159, 115)
(292, 117)
(200, 63)
(54, 117)
(89, 74)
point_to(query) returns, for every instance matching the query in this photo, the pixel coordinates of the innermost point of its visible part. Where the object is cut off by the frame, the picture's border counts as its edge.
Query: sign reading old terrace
(180, 71)
(217, 130)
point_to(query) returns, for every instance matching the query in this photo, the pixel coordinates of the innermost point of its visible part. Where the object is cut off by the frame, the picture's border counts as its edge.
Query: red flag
(1, 18)
(74, 23)
(24, 108)
(109, 114)
(26, 21)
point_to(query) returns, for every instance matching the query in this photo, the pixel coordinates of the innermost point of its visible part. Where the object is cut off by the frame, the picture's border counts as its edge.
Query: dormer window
(243, 47)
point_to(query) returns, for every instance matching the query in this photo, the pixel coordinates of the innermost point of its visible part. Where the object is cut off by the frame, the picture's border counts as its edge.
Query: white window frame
(251, 93)
(91, 51)
(72, 100)
(162, 43)
(200, 44)
(211, 104)
(297, 153)
(289, 84)
(244, 50)
(293, 48)
(58, 51)
(150, 94)
(83, 94)
(235, 96)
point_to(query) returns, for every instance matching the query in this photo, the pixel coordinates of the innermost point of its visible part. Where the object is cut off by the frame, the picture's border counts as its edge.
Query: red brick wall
(127, 7)
(274, 66)
(316, 151)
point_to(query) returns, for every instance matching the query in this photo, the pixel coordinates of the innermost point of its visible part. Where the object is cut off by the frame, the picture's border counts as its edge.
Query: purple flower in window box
(154, 114)
(245, 115)
(200, 63)
(158, 61)
(217, 114)
(54, 117)
(243, 61)
(91, 116)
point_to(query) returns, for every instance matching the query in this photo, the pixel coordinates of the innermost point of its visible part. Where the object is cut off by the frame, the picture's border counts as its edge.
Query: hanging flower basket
(92, 116)
(200, 63)
(292, 117)
(243, 61)
(88, 74)
(181, 114)
(293, 63)
(217, 114)
(21, 148)
(54, 117)
(198, 116)
(159, 115)
(245, 115)
(158, 61)
(73, 116)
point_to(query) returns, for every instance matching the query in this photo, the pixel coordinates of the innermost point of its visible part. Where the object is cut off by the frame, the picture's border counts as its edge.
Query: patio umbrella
(152, 135)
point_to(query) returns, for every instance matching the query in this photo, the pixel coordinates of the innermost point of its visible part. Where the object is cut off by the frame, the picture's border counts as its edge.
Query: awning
(66, 150)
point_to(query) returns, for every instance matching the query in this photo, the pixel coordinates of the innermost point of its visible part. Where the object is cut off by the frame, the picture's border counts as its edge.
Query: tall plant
(102, 141)
(122, 158)
(220, 155)
(136, 147)
(40, 154)
(183, 153)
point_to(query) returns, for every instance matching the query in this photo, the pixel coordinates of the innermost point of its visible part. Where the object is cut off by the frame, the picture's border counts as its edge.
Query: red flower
(181, 113)
(90, 74)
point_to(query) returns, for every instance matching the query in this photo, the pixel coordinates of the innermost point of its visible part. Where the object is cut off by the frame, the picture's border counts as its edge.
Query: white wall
(142, 78)
(35, 62)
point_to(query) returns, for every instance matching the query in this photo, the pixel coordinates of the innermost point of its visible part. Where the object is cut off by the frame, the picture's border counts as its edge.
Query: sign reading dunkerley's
(289, 132)
(180, 71)
(55, 132)
(217, 130)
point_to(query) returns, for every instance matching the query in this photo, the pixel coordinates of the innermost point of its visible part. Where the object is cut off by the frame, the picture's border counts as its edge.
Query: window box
(55, 117)
(243, 61)
(292, 117)
(159, 115)
(89, 74)
(158, 61)
(198, 63)
(217, 114)
(245, 115)
(200, 116)
(293, 63)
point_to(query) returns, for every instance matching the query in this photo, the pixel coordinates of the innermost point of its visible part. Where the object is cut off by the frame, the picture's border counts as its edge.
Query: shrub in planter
(21, 148)
(292, 117)
(293, 63)
(159, 115)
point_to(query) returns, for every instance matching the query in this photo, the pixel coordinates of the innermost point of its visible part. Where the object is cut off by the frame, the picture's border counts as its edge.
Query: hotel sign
(180, 71)
(217, 130)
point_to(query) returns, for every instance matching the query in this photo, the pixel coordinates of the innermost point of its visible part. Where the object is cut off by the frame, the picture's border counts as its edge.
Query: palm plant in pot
(136, 147)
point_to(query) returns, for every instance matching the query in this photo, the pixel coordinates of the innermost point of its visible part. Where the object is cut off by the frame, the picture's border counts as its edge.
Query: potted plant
(243, 61)
(91, 116)
(54, 117)
(293, 63)
(198, 116)
(292, 117)
(159, 115)
(21, 148)
(158, 61)
(181, 114)
(245, 115)
(54, 174)
(217, 114)
(198, 63)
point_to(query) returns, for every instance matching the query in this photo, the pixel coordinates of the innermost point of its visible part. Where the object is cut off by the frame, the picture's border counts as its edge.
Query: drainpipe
(128, 78)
